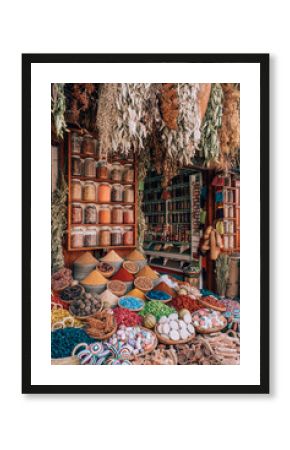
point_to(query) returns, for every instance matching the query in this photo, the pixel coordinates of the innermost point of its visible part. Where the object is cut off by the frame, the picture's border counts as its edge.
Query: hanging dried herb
(81, 107)
(58, 224)
(222, 273)
(229, 132)
(176, 148)
(209, 143)
(130, 130)
(106, 117)
(169, 105)
(58, 102)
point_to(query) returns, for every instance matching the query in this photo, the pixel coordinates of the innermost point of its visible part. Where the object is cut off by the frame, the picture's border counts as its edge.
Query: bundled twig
(106, 117)
(222, 273)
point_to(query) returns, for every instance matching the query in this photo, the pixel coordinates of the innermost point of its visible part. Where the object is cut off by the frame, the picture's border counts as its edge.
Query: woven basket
(168, 341)
(154, 345)
(208, 305)
(69, 361)
(86, 317)
(211, 330)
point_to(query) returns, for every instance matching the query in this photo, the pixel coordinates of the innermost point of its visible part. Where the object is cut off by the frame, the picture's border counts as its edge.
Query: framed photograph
(145, 223)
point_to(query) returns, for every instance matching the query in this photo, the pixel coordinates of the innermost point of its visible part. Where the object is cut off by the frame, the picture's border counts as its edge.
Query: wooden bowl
(85, 317)
(153, 346)
(168, 341)
(69, 361)
(158, 300)
(142, 289)
(208, 305)
(105, 336)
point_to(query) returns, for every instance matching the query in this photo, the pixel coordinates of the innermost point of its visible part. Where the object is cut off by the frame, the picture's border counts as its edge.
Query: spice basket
(69, 361)
(86, 317)
(158, 300)
(134, 310)
(107, 274)
(208, 305)
(94, 288)
(168, 341)
(211, 330)
(105, 336)
(154, 345)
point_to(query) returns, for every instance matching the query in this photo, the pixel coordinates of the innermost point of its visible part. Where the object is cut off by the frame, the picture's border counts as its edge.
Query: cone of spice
(94, 278)
(137, 293)
(114, 259)
(125, 276)
(165, 288)
(84, 265)
(138, 257)
(148, 272)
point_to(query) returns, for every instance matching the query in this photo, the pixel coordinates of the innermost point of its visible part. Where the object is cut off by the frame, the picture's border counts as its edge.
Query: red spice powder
(165, 288)
(185, 302)
(123, 275)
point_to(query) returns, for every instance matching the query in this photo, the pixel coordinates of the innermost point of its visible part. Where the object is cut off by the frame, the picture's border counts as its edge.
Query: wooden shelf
(178, 256)
(77, 225)
(100, 180)
(103, 203)
(79, 249)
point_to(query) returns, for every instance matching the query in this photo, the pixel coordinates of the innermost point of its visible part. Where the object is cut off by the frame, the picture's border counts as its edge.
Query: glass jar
(116, 172)
(128, 194)
(90, 237)
(128, 216)
(104, 214)
(76, 165)
(102, 171)
(91, 214)
(76, 213)
(89, 146)
(128, 238)
(76, 143)
(117, 193)
(77, 238)
(105, 237)
(90, 167)
(117, 214)
(104, 193)
(76, 190)
(128, 175)
(89, 192)
(116, 236)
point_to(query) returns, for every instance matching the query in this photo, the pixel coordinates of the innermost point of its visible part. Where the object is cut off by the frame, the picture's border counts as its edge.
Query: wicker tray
(69, 361)
(154, 345)
(208, 305)
(106, 336)
(168, 341)
(211, 330)
(85, 317)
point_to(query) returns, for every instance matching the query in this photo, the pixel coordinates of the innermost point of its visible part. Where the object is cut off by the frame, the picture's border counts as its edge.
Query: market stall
(145, 224)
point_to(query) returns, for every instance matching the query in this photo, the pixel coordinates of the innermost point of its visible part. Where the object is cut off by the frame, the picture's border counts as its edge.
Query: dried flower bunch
(106, 117)
(169, 105)
(58, 225)
(229, 133)
(209, 143)
(58, 109)
(81, 104)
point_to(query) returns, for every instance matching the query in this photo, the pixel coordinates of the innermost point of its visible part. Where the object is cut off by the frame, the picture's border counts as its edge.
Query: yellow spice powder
(137, 293)
(135, 255)
(94, 278)
(148, 272)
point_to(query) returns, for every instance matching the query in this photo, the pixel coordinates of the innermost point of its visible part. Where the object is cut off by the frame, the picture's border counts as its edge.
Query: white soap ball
(163, 319)
(184, 334)
(160, 329)
(165, 328)
(187, 318)
(190, 328)
(173, 325)
(173, 316)
(196, 323)
(174, 335)
(181, 324)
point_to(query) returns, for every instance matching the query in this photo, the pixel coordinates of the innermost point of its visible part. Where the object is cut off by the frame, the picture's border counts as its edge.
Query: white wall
(170, 422)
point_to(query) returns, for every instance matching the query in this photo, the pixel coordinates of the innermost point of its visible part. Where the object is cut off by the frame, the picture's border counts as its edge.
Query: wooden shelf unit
(70, 177)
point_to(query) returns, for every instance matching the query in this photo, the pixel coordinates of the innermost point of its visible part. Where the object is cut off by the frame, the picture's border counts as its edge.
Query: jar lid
(105, 229)
(77, 205)
(89, 182)
(104, 206)
(91, 230)
(89, 159)
(116, 230)
(91, 206)
(76, 181)
(77, 230)
(117, 185)
(128, 186)
(76, 156)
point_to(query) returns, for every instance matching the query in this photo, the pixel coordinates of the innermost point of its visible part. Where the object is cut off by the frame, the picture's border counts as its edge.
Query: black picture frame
(263, 60)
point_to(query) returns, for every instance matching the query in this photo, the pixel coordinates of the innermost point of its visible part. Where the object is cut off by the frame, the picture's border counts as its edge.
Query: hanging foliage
(131, 130)
(106, 117)
(169, 105)
(174, 149)
(58, 107)
(81, 107)
(229, 132)
(209, 144)
(58, 224)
